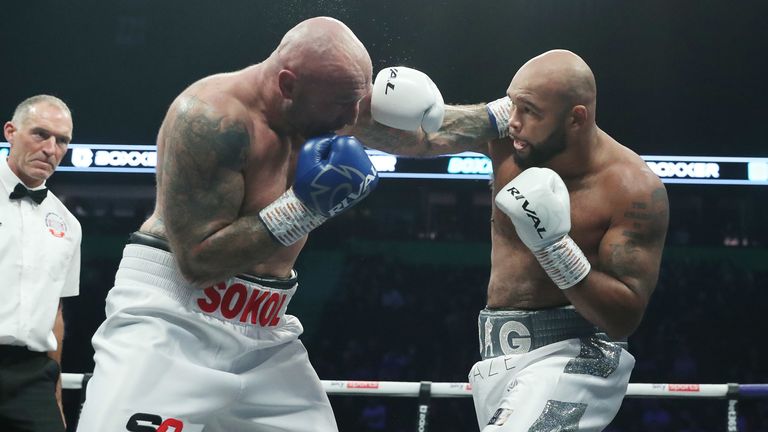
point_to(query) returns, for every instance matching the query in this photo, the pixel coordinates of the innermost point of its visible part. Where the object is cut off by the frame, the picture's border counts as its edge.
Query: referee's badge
(56, 225)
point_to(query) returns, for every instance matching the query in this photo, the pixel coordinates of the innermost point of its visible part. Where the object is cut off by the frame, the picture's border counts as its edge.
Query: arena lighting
(710, 170)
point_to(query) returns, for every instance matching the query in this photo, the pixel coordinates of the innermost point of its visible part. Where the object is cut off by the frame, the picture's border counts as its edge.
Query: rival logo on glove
(324, 181)
(392, 75)
(528, 212)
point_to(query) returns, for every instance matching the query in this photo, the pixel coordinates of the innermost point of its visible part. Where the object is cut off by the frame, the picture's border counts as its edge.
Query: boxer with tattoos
(197, 336)
(578, 228)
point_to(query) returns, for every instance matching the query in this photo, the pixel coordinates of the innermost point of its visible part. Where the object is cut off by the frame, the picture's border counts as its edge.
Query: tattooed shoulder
(640, 232)
(646, 217)
(207, 135)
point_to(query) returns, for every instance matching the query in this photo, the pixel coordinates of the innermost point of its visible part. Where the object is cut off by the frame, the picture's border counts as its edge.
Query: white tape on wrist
(288, 219)
(498, 113)
(564, 262)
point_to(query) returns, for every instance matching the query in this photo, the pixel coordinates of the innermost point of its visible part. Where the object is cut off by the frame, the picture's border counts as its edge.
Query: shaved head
(563, 74)
(323, 72)
(553, 99)
(323, 47)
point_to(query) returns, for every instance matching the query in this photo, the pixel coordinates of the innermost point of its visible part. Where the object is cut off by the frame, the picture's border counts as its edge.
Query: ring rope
(458, 389)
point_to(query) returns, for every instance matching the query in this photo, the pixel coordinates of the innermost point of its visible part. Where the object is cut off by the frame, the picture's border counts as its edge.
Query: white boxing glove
(538, 204)
(407, 99)
(498, 114)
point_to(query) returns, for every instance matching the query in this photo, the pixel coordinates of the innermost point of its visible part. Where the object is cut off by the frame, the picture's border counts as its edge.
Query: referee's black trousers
(28, 391)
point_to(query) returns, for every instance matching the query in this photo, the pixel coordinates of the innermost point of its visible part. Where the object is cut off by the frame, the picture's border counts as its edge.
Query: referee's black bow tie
(35, 195)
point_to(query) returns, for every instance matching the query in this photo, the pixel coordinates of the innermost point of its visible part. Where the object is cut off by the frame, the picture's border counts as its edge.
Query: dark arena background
(390, 290)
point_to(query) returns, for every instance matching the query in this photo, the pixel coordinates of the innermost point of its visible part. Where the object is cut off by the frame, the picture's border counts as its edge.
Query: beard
(541, 152)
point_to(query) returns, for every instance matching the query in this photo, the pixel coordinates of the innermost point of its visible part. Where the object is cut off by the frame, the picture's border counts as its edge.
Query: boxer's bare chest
(270, 167)
(268, 173)
(517, 279)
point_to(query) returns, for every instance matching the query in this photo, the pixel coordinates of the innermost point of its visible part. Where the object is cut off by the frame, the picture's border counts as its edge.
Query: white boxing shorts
(546, 370)
(170, 357)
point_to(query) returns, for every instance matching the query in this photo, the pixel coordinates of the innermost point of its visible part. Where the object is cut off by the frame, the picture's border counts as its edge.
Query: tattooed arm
(201, 191)
(617, 290)
(465, 128)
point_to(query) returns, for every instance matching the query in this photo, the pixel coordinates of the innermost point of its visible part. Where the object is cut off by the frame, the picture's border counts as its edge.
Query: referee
(39, 264)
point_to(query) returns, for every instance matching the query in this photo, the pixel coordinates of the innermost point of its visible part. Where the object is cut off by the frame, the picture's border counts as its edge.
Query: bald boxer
(197, 336)
(578, 228)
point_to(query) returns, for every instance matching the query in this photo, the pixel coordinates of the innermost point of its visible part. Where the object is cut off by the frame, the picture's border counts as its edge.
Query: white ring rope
(457, 389)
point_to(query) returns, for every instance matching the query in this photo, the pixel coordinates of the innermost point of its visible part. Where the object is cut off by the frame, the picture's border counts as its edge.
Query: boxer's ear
(286, 80)
(578, 116)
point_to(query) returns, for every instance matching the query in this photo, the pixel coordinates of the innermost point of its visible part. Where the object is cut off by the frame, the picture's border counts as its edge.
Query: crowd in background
(410, 323)
(391, 318)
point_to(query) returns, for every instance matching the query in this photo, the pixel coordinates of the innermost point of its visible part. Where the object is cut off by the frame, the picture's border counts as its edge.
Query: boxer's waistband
(243, 299)
(505, 332)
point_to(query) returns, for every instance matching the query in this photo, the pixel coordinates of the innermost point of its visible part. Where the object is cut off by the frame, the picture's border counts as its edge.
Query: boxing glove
(538, 204)
(333, 173)
(407, 99)
(498, 114)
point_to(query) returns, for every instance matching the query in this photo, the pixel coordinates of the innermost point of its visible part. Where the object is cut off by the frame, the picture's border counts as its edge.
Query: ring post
(422, 418)
(732, 419)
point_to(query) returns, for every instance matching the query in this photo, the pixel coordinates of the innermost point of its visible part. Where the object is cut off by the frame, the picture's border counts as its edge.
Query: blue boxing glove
(333, 173)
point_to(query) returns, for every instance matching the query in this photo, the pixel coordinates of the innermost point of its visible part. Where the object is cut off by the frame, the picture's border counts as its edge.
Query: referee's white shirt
(39, 263)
